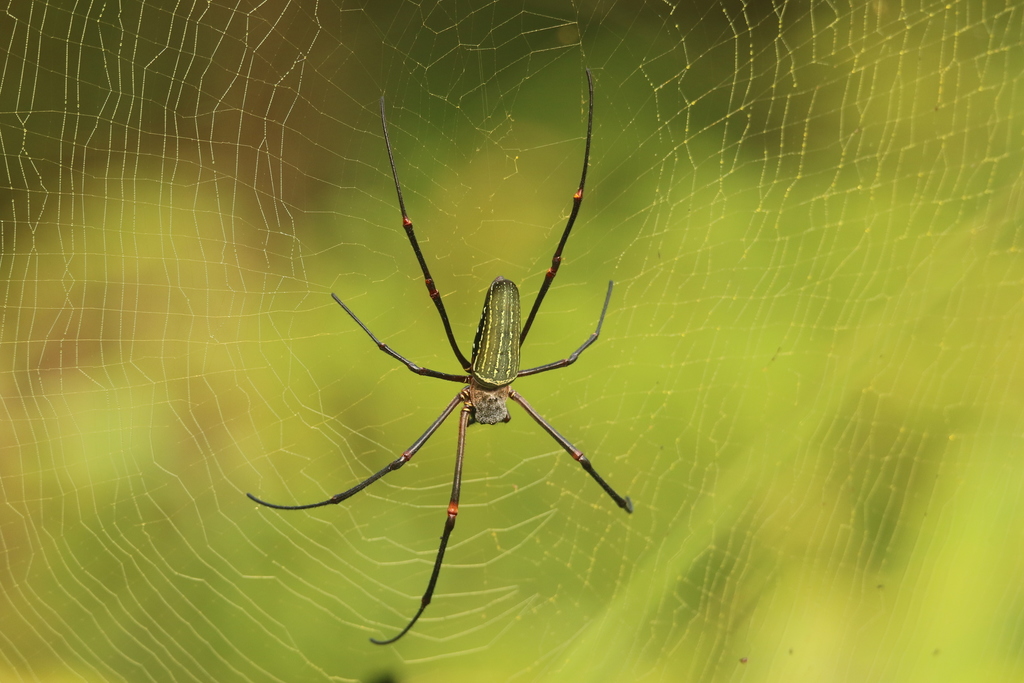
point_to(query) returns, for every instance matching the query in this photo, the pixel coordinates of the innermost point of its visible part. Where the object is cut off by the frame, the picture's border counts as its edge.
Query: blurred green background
(809, 381)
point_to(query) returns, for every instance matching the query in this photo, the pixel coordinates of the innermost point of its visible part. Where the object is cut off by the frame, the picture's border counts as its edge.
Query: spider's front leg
(453, 511)
(623, 502)
(405, 457)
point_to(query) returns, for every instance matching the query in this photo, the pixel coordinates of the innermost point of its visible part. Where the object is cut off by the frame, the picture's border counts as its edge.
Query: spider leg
(394, 354)
(406, 455)
(624, 503)
(575, 354)
(577, 199)
(453, 511)
(435, 296)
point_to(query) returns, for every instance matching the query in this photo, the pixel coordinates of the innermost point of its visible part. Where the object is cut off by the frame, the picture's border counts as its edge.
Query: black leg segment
(577, 199)
(435, 296)
(624, 503)
(449, 524)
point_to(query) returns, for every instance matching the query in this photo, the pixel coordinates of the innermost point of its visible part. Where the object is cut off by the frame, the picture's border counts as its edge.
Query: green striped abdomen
(496, 347)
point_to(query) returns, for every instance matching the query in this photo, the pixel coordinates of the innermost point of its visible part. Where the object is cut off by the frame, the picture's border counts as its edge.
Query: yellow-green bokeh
(809, 380)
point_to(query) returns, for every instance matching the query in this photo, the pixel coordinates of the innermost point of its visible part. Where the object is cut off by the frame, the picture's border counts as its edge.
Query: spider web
(810, 380)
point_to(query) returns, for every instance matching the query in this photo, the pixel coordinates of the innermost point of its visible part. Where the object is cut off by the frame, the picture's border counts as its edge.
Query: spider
(488, 374)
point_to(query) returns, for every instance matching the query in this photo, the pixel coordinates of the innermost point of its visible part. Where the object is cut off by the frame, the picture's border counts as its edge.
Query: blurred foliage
(809, 380)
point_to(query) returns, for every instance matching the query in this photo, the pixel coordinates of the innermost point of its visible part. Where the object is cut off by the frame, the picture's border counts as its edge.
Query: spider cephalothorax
(488, 375)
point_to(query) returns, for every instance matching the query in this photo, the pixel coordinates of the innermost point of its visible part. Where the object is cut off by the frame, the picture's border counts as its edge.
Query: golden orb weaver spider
(489, 373)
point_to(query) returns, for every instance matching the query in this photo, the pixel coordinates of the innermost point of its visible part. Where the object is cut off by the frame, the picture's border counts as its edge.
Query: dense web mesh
(810, 380)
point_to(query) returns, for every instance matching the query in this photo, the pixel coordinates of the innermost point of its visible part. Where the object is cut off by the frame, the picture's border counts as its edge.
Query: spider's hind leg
(435, 295)
(577, 199)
